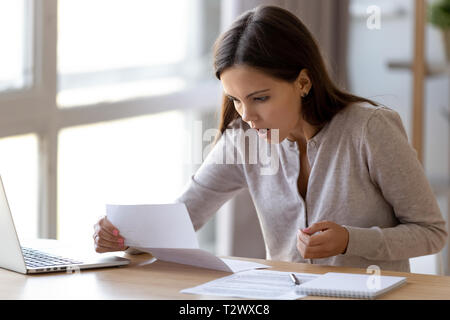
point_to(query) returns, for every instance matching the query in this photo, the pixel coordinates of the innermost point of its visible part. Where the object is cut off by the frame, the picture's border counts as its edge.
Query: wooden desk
(147, 278)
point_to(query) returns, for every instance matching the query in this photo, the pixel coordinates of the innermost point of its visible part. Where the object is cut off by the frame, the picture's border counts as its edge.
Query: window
(129, 161)
(105, 87)
(15, 62)
(18, 170)
(121, 49)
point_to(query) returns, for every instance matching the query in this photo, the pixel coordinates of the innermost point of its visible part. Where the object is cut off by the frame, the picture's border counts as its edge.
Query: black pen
(294, 279)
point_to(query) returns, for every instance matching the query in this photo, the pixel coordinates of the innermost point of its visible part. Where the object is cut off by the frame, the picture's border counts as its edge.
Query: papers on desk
(255, 284)
(166, 231)
(264, 284)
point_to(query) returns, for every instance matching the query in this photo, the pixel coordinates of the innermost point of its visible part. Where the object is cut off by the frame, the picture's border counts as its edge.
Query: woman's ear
(304, 82)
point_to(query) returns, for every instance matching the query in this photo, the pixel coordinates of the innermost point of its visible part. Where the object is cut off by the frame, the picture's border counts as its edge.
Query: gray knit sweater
(364, 175)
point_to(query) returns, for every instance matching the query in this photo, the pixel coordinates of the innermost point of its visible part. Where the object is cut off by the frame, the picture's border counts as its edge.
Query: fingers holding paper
(322, 240)
(107, 237)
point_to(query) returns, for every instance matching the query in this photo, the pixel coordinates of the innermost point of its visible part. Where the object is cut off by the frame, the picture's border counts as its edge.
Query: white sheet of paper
(154, 225)
(166, 231)
(254, 284)
(203, 259)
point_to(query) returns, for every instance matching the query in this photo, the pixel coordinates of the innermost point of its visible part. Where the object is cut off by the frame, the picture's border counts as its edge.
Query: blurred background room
(101, 101)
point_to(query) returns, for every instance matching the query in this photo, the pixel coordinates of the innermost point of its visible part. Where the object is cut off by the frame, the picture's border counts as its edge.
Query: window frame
(34, 109)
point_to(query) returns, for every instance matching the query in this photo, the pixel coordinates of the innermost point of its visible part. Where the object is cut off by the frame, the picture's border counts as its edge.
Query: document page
(254, 284)
(166, 231)
(153, 226)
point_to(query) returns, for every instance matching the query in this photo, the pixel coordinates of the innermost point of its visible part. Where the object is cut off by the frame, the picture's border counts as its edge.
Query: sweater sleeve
(217, 180)
(395, 169)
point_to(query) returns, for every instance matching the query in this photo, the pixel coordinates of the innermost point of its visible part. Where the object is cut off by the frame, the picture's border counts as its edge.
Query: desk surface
(147, 278)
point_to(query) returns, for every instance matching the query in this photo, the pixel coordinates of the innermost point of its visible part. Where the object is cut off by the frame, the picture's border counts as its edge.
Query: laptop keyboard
(35, 258)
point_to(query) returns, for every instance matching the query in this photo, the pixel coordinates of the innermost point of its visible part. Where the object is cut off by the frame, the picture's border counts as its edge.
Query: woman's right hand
(107, 237)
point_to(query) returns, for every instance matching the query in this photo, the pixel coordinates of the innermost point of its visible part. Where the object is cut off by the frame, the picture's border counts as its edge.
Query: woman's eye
(261, 99)
(235, 101)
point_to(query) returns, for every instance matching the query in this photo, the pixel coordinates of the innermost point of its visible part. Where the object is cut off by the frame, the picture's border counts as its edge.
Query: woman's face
(264, 102)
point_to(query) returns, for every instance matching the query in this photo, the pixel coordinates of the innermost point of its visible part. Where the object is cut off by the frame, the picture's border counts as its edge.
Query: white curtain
(238, 230)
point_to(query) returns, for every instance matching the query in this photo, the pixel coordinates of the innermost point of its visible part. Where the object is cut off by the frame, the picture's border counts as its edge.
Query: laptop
(29, 261)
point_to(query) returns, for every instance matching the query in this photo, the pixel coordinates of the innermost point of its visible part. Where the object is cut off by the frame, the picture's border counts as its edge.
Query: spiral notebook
(348, 285)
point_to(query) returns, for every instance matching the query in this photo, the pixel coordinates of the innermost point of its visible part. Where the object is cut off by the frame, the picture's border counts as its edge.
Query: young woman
(348, 189)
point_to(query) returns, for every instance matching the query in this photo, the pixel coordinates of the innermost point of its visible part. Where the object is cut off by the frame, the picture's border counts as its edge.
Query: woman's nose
(247, 115)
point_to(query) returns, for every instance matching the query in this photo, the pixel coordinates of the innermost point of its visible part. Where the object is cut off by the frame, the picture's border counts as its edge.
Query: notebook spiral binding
(337, 293)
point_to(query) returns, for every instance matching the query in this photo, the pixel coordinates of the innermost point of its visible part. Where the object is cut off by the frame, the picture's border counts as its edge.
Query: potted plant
(439, 16)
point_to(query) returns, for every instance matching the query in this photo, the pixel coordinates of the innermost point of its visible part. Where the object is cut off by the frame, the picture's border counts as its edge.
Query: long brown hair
(276, 42)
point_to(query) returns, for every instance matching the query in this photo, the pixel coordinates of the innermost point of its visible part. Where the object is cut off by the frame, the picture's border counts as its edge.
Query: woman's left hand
(331, 241)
